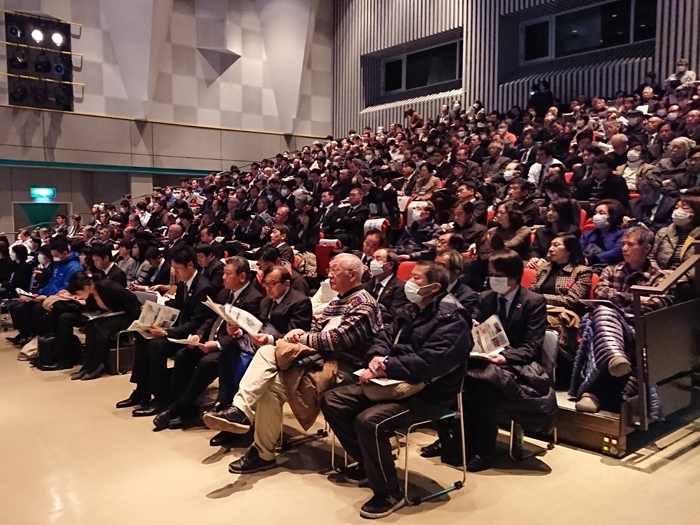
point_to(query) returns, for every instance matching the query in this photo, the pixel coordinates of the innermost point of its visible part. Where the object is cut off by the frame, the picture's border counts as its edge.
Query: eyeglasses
(270, 284)
(335, 271)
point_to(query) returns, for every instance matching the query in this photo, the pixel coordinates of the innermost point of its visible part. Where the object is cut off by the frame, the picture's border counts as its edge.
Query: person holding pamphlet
(426, 346)
(515, 372)
(197, 365)
(110, 308)
(150, 372)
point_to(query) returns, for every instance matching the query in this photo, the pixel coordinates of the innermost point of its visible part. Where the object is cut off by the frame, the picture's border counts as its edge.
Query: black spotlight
(18, 60)
(62, 65)
(62, 95)
(41, 94)
(14, 31)
(19, 93)
(42, 63)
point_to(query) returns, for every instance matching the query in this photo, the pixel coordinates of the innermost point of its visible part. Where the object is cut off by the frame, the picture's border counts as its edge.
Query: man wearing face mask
(429, 339)
(423, 229)
(681, 77)
(384, 286)
(30, 318)
(494, 380)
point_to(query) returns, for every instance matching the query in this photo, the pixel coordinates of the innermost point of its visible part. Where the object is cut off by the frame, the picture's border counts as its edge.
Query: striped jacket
(573, 283)
(360, 319)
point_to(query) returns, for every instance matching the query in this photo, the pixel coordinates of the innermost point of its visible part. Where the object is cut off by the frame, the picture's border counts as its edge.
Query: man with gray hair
(343, 333)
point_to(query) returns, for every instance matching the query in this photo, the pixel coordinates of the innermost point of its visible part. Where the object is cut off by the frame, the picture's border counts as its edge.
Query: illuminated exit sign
(43, 193)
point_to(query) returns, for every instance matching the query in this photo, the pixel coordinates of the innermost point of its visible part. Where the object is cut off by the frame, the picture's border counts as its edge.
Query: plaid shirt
(572, 283)
(616, 281)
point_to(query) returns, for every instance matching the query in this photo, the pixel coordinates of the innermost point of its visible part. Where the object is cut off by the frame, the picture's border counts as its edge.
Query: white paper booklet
(185, 342)
(154, 314)
(383, 381)
(489, 338)
(234, 315)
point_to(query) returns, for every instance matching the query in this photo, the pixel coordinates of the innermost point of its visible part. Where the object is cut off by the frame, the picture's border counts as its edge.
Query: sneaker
(251, 463)
(230, 419)
(356, 475)
(381, 505)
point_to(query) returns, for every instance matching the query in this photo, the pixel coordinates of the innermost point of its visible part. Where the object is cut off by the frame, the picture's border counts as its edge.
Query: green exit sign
(43, 193)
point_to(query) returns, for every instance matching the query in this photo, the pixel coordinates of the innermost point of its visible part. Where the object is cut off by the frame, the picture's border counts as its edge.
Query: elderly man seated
(428, 341)
(347, 326)
(606, 356)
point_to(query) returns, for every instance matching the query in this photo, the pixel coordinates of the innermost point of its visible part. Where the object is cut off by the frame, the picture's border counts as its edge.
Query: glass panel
(393, 75)
(431, 66)
(594, 28)
(645, 20)
(537, 41)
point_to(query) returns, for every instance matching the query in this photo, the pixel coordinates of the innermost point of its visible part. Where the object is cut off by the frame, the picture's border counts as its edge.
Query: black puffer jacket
(433, 342)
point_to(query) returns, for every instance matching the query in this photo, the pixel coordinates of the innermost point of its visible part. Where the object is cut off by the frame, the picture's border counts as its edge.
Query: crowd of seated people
(562, 196)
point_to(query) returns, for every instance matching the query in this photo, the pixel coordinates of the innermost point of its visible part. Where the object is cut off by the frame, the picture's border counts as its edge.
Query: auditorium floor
(69, 457)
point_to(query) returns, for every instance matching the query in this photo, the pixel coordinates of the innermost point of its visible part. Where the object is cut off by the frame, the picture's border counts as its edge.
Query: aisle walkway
(69, 457)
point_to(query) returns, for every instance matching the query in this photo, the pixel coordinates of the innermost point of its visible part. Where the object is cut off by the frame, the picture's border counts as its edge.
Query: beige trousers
(261, 397)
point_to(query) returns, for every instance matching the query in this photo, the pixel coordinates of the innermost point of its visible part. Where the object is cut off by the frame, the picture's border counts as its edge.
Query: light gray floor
(67, 456)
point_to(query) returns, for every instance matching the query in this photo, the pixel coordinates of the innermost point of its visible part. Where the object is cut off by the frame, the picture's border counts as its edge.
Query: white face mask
(600, 221)
(412, 291)
(661, 112)
(284, 192)
(508, 175)
(580, 123)
(672, 116)
(633, 155)
(13, 256)
(56, 259)
(461, 134)
(499, 285)
(375, 267)
(681, 217)
(101, 208)
(416, 215)
(682, 69)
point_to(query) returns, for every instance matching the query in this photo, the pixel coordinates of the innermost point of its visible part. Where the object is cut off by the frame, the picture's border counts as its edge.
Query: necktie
(503, 310)
(377, 290)
(542, 173)
(219, 321)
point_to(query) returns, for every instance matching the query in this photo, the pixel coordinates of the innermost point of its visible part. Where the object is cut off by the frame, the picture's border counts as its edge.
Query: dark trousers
(186, 362)
(65, 315)
(207, 369)
(97, 336)
(364, 428)
(151, 373)
(349, 240)
(482, 407)
(228, 361)
(29, 318)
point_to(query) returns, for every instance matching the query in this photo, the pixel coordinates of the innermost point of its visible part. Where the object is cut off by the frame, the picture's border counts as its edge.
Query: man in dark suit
(348, 227)
(453, 261)
(189, 227)
(652, 209)
(384, 286)
(328, 213)
(212, 268)
(524, 317)
(197, 367)
(269, 256)
(158, 273)
(278, 239)
(206, 234)
(104, 261)
(153, 350)
(246, 235)
(603, 184)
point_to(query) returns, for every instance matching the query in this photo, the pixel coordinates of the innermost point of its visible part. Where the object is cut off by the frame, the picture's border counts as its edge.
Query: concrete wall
(66, 137)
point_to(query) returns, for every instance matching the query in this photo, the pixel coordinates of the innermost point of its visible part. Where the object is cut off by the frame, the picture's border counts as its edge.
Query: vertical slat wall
(366, 26)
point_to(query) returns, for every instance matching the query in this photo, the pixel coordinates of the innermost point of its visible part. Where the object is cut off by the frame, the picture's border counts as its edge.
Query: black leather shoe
(432, 451)
(183, 423)
(479, 464)
(224, 439)
(160, 422)
(250, 463)
(136, 398)
(230, 419)
(148, 410)
(94, 374)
